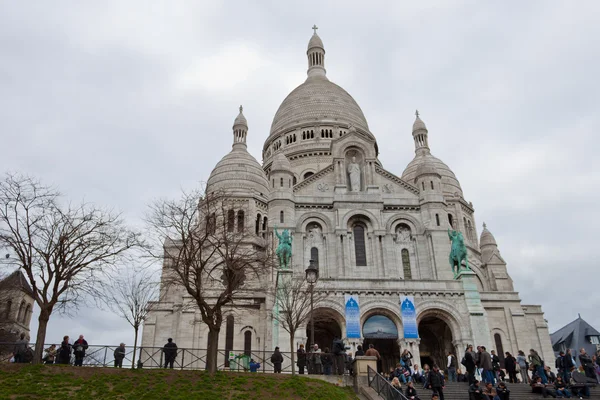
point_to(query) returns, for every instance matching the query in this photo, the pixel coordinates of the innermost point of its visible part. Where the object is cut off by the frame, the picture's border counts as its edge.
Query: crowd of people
(483, 371)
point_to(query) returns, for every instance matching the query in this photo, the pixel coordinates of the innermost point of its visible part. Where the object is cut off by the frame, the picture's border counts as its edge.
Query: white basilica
(372, 233)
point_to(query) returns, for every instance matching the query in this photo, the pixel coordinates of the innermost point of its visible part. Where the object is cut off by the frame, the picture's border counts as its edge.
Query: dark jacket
(359, 353)
(485, 361)
(435, 379)
(119, 353)
(276, 358)
(567, 361)
(170, 351)
(406, 358)
(327, 359)
(495, 362)
(301, 353)
(559, 362)
(411, 391)
(585, 360)
(510, 364)
(476, 393)
(469, 361)
(80, 346)
(64, 354)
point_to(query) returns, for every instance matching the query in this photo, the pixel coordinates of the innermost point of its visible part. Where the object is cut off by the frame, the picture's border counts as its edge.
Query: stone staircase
(518, 391)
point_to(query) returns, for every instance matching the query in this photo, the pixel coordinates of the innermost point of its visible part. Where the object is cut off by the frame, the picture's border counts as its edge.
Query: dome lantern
(316, 55)
(240, 129)
(420, 134)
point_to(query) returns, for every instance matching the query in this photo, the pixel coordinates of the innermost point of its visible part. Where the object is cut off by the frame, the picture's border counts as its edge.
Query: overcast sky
(121, 102)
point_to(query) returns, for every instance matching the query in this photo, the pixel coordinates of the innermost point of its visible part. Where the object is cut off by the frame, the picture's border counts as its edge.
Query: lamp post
(312, 275)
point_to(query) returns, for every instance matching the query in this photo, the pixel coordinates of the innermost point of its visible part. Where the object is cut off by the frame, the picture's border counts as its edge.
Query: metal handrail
(187, 358)
(382, 386)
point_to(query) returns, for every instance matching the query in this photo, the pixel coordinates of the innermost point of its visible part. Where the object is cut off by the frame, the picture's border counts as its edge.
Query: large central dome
(318, 99)
(317, 104)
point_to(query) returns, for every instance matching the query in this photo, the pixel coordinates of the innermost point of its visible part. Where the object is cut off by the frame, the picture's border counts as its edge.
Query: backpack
(338, 347)
(464, 361)
(558, 364)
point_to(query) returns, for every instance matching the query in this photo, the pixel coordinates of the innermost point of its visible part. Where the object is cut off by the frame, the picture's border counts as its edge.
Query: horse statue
(458, 251)
(284, 248)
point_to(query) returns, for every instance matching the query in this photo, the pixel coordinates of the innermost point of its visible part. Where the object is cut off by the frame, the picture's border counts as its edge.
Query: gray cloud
(122, 102)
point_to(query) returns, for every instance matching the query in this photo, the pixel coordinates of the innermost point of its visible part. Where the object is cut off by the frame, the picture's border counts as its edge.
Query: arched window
(248, 343)
(280, 182)
(423, 184)
(308, 174)
(281, 217)
(314, 255)
(8, 310)
(360, 248)
(499, 348)
(240, 221)
(230, 220)
(21, 311)
(26, 314)
(437, 219)
(406, 264)
(257, 224)
(228, 338)
(273, 182)
(451, 220)
(431, 184)
(294, 181)
(470, 230)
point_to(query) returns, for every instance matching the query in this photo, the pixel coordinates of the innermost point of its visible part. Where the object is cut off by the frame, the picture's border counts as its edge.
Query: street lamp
(312, 275)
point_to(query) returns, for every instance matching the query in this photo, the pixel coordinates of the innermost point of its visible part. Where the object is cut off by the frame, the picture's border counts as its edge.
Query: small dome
(419, 125)
(487, 239)
(281, 163)
(238, 172)
(240, 119)
(450, 185)
(315, 41)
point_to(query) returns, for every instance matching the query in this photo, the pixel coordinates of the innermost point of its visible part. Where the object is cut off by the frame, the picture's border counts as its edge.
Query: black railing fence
(383, 387)
(186, 358)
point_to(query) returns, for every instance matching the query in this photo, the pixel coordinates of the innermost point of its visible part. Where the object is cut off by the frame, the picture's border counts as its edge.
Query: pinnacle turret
(316, 55)
(240, 129)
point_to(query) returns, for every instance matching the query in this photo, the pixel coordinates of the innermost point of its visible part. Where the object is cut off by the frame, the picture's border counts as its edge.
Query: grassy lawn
(66, 382)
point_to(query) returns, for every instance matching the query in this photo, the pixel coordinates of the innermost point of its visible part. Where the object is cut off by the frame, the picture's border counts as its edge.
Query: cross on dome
(417, 113)
(314, 28)
(241, 108)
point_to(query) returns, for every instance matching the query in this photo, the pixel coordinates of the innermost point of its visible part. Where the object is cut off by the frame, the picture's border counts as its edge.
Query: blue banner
(409, 317)
(352, 317)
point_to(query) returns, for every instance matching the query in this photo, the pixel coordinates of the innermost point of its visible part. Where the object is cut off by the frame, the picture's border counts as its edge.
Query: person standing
(170, 352)
(510, 363)
(277, 360)
(372, 352)
(317, 366)
(485, 362)
(496, 365)
(301, 363)
(535, 361)
(64, 354)
(568, 365)
(522, 361)
(452, 365)
(436, 381)
(359, 351)
(339, 355)
(80, 346)
(119, 355)
(587, 364)
(327, 361)
(470, 364)
(20, 349)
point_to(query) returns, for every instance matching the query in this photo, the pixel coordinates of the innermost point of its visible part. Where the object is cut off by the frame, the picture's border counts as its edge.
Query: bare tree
(292, 299)
(129, 294)
(62, 248)
(206, 254)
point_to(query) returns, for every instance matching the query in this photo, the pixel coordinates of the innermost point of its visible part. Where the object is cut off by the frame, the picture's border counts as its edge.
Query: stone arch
(371, 220)
(478, 274)
(415, 225)
(333, 311)
(364, 149)
(447, 313)
(382, 308)
(314, 216)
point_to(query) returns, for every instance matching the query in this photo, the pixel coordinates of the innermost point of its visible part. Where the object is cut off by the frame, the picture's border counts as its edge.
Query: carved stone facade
(371, 232)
